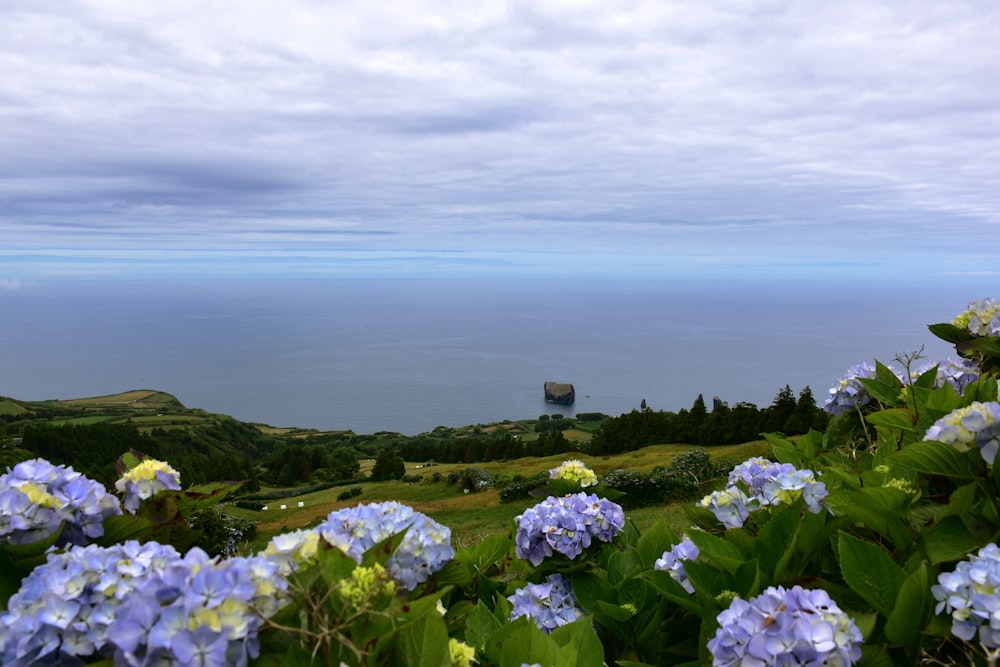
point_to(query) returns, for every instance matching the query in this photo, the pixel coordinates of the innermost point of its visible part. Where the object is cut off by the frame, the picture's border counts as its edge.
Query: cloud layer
(617, 128)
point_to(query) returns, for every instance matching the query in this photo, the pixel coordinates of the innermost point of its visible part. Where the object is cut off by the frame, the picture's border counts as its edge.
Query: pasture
(473, 516)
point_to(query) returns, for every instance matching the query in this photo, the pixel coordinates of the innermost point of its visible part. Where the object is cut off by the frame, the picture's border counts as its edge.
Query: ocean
(410, 354)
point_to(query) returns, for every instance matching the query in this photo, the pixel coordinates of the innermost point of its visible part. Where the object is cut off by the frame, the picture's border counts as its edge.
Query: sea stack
(558, 392)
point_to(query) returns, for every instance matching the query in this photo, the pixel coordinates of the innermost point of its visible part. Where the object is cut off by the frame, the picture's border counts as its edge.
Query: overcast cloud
(231, 131)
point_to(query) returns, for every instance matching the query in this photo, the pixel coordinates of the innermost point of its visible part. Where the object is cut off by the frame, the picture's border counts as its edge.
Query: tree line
(724, 425)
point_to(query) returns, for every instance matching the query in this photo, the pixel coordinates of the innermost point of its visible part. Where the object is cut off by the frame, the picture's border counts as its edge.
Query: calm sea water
(409, 355)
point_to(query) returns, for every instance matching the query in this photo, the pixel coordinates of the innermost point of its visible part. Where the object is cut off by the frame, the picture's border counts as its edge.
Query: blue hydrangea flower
(848, 393)
(758, 483)
(978, 424)
(197, 611)
(36, 497)
(425, 549)
(566, 525)
(981, 318)
(672, 562)
(785, 627)
(731, 506)
(971, 594)
(65, 607)
(145, 480)
(549, 604)
(141, 604)
(959, 373)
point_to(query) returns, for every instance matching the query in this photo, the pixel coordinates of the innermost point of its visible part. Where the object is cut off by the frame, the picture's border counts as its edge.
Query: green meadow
(474, 516)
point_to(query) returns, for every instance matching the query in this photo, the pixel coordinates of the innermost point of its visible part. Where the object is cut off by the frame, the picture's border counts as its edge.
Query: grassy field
(474, 516)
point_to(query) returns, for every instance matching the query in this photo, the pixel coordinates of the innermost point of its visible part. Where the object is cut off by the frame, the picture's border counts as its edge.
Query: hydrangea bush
(566, 525)
(38, 498)
(785, 627)
(576, 472)
(145, 480)
(872, 543)
(758, 483)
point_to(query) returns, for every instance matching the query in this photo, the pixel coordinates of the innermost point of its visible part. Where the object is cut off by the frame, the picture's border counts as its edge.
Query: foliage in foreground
(872, 543)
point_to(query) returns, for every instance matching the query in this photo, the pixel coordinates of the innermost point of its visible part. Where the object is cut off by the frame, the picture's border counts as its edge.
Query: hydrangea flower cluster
(766, 484)
(460, 654)
(567, 525)
(848, 393)
(672, 561)
(574, 470)
(425, 549)
(36, 497)
(198, 610)
(971, 594)
(549, 604)
(366, 584)
(784, 627)
(959, 373)
(144, 604)
(145, 480)
(981, 318)
(978, 424)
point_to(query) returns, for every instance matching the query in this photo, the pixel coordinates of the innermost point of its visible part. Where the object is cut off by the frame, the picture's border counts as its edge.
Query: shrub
(353, 492)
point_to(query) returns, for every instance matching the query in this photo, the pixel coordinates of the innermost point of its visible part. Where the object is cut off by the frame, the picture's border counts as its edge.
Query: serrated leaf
(887, 376)
(910, 611)
(623, 565)
(581, 636)
(953, 537)
(875, 656)
(480, 624)
(870, 572)
(716, 550)
(934, 458)
(949, 333)
(881, 391)
(666, 587)
(657, 539)
(422, 643)
(899, 418)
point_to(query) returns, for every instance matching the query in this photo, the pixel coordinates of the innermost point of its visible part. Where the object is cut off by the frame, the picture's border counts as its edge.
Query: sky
(312, 138)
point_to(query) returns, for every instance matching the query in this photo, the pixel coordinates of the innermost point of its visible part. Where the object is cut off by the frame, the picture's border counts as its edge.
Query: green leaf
(717, 551)
(887, 376)
(875, 656)
(422, 643)
(590, 589)
(657, 539)
(934, 458)
(623, 565)
(521, 642)
(876, 508)
(910, 612)
(480, 624)
(581, 637)
(776, 541)
(953, 537)
(899, 418)
(786, 451)
(944, 399)
(667, 588)
(124, 527)
(989, 345)
(950, 333)
(870, 572)
(613, 611)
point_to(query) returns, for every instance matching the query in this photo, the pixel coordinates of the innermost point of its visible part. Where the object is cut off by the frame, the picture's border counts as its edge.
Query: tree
(774, 417)
(344, 463)
(388, 466)
(806, 415)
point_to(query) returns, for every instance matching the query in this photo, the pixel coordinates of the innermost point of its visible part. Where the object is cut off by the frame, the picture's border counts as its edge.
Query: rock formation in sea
(558, 392)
